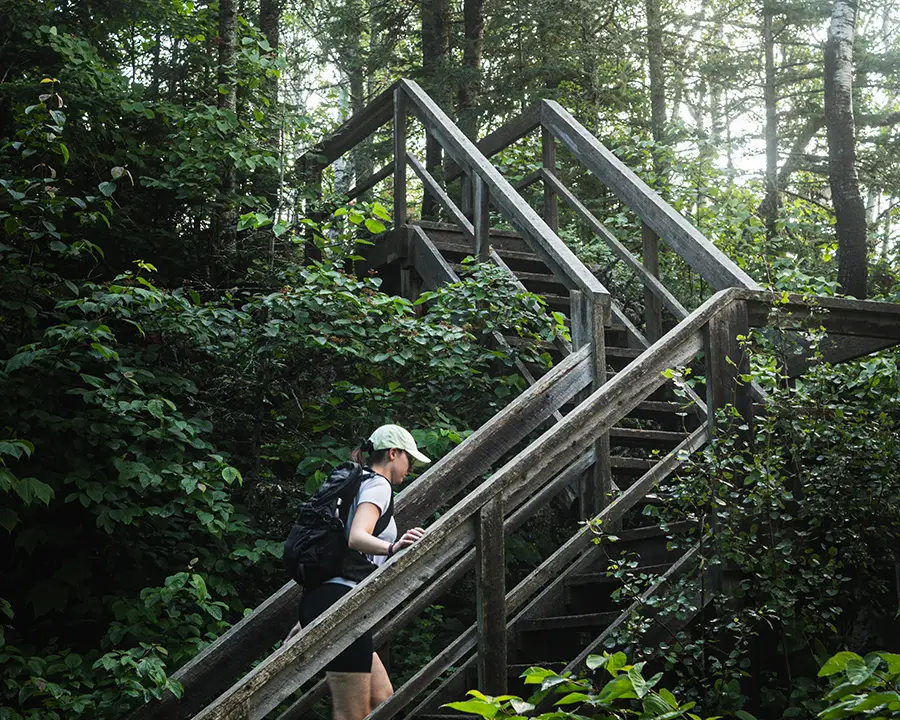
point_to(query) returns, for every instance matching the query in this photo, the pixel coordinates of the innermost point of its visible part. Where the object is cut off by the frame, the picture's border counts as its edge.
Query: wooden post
(548, 157)
(466, 188)
(400, 209)
(726, 361)
(590, 316)
(481, 220)
(490, 583)
(432, 163)
(652, 306)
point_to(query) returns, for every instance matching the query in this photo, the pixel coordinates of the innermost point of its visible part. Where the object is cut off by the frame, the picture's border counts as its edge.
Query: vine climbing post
(590, 316)
(491, 597)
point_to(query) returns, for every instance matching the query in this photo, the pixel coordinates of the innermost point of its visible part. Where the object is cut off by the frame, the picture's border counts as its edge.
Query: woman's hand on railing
(408, 538)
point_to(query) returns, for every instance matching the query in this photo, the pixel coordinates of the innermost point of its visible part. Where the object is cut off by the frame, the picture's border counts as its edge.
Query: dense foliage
(176, 371)
(859, 686)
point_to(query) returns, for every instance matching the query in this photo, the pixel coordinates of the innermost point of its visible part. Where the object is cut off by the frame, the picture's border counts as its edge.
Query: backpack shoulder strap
(386, 516)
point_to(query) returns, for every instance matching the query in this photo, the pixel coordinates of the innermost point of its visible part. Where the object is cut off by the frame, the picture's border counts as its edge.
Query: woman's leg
(381, 688)
(350, 692)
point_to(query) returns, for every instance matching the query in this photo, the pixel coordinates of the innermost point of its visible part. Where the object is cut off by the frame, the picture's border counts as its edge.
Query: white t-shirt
(376, 490)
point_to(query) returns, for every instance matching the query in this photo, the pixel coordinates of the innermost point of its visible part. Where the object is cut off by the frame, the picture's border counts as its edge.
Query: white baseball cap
(394, 436)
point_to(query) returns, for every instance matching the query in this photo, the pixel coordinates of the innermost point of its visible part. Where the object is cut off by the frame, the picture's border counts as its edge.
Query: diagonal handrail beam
(711, 263)
(556, 254)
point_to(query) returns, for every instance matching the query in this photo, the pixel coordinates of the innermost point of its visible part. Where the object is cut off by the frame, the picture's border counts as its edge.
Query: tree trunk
(266, 180)
(849, 209)
(473, 19)
(657, 85)
(770, 203)
(224, 231)
(435, 48)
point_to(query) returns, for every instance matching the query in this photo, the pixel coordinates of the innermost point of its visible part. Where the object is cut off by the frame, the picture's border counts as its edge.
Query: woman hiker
(357, 678)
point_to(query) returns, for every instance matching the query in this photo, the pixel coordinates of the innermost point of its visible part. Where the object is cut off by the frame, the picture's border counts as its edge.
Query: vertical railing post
(466, 187)
(481, 220)
(432, 164)
(490, 584)
(400, 209)
(590, 316)
(652, 305)
(548, 158)
(726, 362)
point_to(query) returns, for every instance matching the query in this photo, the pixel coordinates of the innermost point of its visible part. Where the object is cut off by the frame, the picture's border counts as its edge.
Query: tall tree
(770, 203)
(224, 232)
(470, 81)
(657, 81)
(849, 209)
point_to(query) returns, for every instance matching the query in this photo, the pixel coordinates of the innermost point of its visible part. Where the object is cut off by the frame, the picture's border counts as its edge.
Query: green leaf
(373, 226)
(857, 671)
(107, 188)
(230, 474)
(637, 682)
(654, 705)
(8, 519)
(65, 153)
(475, 707)
(838, 663)
(572, 698)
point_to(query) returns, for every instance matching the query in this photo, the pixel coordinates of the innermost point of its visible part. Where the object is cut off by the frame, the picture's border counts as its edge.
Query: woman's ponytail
(359, 453)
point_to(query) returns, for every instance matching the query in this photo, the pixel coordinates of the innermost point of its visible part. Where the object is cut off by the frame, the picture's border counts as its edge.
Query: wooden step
(606, 578)
(567, 622)
(635, 437)
(630, 465)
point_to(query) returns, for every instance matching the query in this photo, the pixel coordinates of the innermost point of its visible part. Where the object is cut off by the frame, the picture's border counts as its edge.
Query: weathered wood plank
(400, 208)
(589, 316)
(481, 219)
(442, 197)
(652, 307)
(433, 154)
(370, 181)
(548, 159)
(491, 441)
(619, 250)
(490, 589)
(529, 180)
(428, 261)
(555, 254)
(500, 138)
(356, 129)
(710, 262)
(726, 362)
(834, 349)
(838, 316)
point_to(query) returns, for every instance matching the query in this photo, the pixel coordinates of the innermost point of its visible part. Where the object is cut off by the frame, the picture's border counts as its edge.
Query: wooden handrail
(453, 534)
(354, 130)
(500, 138)
(711, 263)
(564, 263)
(618, 249)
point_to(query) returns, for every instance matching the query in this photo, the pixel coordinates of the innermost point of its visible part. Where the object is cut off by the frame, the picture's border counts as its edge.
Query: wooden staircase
(603, 426)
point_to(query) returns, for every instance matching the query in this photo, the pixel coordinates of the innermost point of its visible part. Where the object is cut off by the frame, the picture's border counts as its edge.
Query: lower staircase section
(580, 612)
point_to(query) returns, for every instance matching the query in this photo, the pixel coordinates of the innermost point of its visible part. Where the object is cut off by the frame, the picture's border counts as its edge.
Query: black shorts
(357, 657)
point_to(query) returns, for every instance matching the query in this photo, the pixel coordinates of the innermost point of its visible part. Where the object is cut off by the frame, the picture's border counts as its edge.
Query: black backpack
(316, 548)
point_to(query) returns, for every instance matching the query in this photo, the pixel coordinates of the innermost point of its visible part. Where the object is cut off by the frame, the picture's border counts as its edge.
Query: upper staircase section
(454, 165)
